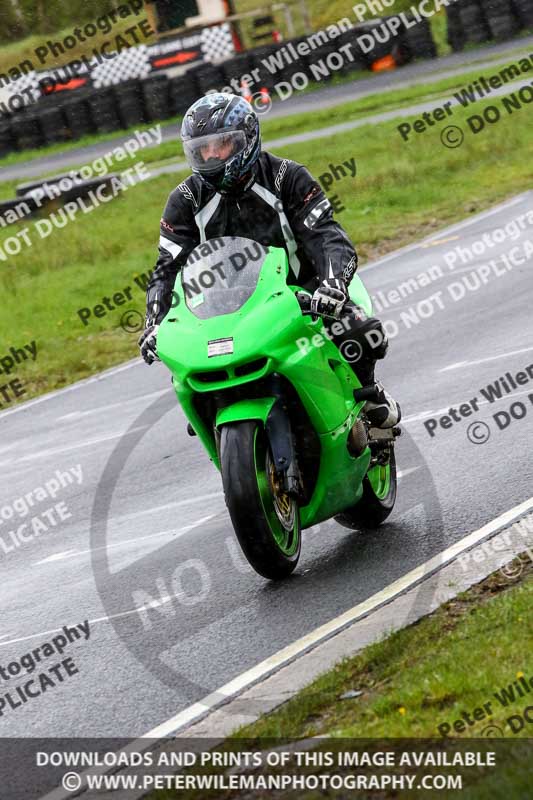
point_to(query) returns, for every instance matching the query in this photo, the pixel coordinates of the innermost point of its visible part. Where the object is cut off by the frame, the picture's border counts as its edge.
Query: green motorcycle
(273, 401)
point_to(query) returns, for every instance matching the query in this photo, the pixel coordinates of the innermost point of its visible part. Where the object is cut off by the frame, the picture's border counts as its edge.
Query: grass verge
(424, 676)
(466, 654)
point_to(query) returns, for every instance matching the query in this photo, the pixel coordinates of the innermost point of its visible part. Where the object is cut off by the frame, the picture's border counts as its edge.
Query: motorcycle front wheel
(265, 518)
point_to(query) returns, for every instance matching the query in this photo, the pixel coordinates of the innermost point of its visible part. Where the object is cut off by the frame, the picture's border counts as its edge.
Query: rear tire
(377, 502)
(265, 519)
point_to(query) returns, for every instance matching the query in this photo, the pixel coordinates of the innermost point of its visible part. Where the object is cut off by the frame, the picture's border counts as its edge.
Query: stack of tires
(130, 103)
(417, 41)
(355, 59)
(477, 21)
(523, 10)
(455, 35)
(500, 18)
(259, 58)
(7, 143)
(207, 77)
(54, 125)
(155, 92)
(235, 68)
(473, 22)
(26, 131)
(321, 64)
(78, 115)
(183, 91)
(103, 108)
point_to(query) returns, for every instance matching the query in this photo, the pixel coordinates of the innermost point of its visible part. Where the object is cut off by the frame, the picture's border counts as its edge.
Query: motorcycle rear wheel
(377, 502)
(266, 520)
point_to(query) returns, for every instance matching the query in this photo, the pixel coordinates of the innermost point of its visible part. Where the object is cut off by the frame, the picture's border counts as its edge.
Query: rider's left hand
(330, 297)
(148, 344)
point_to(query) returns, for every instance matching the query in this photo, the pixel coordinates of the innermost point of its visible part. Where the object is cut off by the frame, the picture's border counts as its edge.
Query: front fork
(278, 430)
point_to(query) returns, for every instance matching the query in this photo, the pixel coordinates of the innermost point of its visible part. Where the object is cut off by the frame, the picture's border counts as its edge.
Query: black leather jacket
(284, 207)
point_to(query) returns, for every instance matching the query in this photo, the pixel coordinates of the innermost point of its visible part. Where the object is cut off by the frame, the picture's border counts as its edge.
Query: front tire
(266, 520)
(379, 495)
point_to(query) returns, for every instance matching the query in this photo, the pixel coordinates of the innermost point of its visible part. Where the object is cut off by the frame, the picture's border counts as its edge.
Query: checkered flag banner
(217, 42)
(131, 63)
(21, 85)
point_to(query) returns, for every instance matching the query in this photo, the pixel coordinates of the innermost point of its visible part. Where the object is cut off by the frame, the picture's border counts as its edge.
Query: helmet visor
(209, 153)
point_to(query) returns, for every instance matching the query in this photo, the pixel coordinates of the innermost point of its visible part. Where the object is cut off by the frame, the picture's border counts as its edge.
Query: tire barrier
(523, 10)
(47, 195)
(54, 126)
(234, 67)
(360, 60)
(26, 131)
(456, 36)
(418, 41)
(24, 189)
(473, 22)
(57, 118)
(7, 142)
(208, 77)
(104, 110)
(78, 116)
(182, 93)
(130, 104)
(478, 21)
(71, 115)
(12, 211)
(156, 98)
(500, 18)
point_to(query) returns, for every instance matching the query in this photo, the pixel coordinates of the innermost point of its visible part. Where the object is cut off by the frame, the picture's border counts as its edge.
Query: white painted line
(124, 543)
(445, 410)
(419, 416)
(456, 365)
(176, 504)
(55, 557)
(437, 242)
(152, 604)
(460, 364)
(76, 415)
(53, 451)
(310, 640)
(402, 473)
(107, 373)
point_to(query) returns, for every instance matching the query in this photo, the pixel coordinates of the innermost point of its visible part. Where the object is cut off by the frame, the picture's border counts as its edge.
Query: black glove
(148, 344)
(330, 297)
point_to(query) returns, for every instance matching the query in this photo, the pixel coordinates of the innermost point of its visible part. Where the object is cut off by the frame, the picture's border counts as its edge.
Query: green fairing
(268, 326)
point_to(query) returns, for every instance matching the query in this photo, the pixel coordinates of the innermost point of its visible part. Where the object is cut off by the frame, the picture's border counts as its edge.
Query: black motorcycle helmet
(222, 141)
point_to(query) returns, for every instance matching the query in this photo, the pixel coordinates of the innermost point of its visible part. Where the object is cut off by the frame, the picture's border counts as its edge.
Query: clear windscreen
(209, 153)
(221, 275)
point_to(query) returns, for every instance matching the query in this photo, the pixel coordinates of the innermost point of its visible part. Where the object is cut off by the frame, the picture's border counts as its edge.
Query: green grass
(422, 676)
(402, 192)
(411, 682)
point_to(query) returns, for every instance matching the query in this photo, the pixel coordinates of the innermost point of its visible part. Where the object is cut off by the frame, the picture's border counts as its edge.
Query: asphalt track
(418, 73)
(168, 542)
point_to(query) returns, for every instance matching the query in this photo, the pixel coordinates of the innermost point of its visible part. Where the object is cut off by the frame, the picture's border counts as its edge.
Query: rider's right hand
(148, 344)
(330, 298)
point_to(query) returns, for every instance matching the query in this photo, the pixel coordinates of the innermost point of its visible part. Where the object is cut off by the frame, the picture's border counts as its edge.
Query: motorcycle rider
(239, 189)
